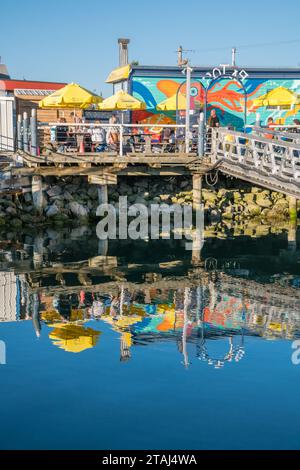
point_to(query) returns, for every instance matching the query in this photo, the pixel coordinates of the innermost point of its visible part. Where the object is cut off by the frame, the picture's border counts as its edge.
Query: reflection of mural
(226, 96)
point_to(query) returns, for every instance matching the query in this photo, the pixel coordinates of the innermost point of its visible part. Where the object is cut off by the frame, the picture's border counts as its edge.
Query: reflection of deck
(103, 274)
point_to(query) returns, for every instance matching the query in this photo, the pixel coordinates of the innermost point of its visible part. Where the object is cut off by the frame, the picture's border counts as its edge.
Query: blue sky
(71, 40)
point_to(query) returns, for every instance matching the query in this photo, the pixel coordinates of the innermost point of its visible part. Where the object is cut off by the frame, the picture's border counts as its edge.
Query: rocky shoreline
(72, 201)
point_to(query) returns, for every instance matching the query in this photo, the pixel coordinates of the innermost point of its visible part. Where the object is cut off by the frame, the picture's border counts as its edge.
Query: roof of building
(33, 86)
(253, 72)
(123, 73)
(119, 74)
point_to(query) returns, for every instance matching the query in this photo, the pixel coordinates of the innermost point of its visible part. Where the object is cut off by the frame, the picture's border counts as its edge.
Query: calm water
(132, 346)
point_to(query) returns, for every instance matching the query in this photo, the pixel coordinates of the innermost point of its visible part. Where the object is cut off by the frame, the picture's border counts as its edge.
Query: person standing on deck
(75, 118)
(213, 120)
(62, 132)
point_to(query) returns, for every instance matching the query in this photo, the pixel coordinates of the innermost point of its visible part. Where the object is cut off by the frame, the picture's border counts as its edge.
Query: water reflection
(213, 309)
(64, 285)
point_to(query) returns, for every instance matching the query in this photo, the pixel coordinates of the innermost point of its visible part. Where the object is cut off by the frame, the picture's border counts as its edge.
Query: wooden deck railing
(271, 156)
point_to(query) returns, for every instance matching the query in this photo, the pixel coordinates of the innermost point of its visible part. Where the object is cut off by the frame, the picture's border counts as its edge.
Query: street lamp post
(188, 71)
(188, 107)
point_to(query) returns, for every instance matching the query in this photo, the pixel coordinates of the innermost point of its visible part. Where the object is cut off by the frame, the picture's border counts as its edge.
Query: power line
(248, 46)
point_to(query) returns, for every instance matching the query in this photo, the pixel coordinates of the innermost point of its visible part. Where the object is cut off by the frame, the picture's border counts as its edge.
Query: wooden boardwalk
(95, 163)
(269, 160)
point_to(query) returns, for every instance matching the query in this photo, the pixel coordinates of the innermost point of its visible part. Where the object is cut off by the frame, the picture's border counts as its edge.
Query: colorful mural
(226, 96)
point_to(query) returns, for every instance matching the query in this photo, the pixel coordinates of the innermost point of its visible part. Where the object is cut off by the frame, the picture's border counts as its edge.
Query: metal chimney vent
(123, 51)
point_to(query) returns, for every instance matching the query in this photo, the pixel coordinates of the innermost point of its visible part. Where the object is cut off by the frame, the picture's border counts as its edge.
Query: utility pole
(179, 52)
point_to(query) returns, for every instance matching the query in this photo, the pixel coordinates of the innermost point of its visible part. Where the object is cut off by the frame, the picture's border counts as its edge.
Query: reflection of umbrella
(122, 101)
(74, 338)
(122, 325)
(70, 96)
(280, 96)
(170, 103)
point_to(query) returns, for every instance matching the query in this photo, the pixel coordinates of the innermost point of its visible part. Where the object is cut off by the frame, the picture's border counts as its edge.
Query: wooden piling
(197, 191)
(102, 194)
(37, 193)
(293, 208)
(292, 235)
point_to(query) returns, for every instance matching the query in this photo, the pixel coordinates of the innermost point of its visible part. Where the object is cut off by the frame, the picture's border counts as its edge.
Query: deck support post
(38, 251)
(196, 253)
(102, 247)
(293, 208)
(292, 235)
(102, 193)
(102, 199)
(197, 207)
(197, 191)
(37, 193)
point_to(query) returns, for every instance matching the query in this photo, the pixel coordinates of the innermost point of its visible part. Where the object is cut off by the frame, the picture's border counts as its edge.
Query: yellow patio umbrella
(280, 96)
(170, 103)
(122, 101)
(71, 96)
(73, 338)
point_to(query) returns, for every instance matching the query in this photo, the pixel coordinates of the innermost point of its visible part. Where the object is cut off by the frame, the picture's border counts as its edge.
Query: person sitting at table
(61, 133)
(71, 140)
(76, 119)
(113, 134)
(171, 142)
(98, 135)
(166, 133)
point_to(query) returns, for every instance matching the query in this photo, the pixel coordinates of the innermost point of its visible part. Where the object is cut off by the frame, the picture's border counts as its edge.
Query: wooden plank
(101, 261)
(106, 178)
(111, 158)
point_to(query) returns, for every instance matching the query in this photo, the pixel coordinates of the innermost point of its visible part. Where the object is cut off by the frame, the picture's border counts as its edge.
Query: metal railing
(117, 138)
(283, 133)
(275, 157)
(7, 144)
